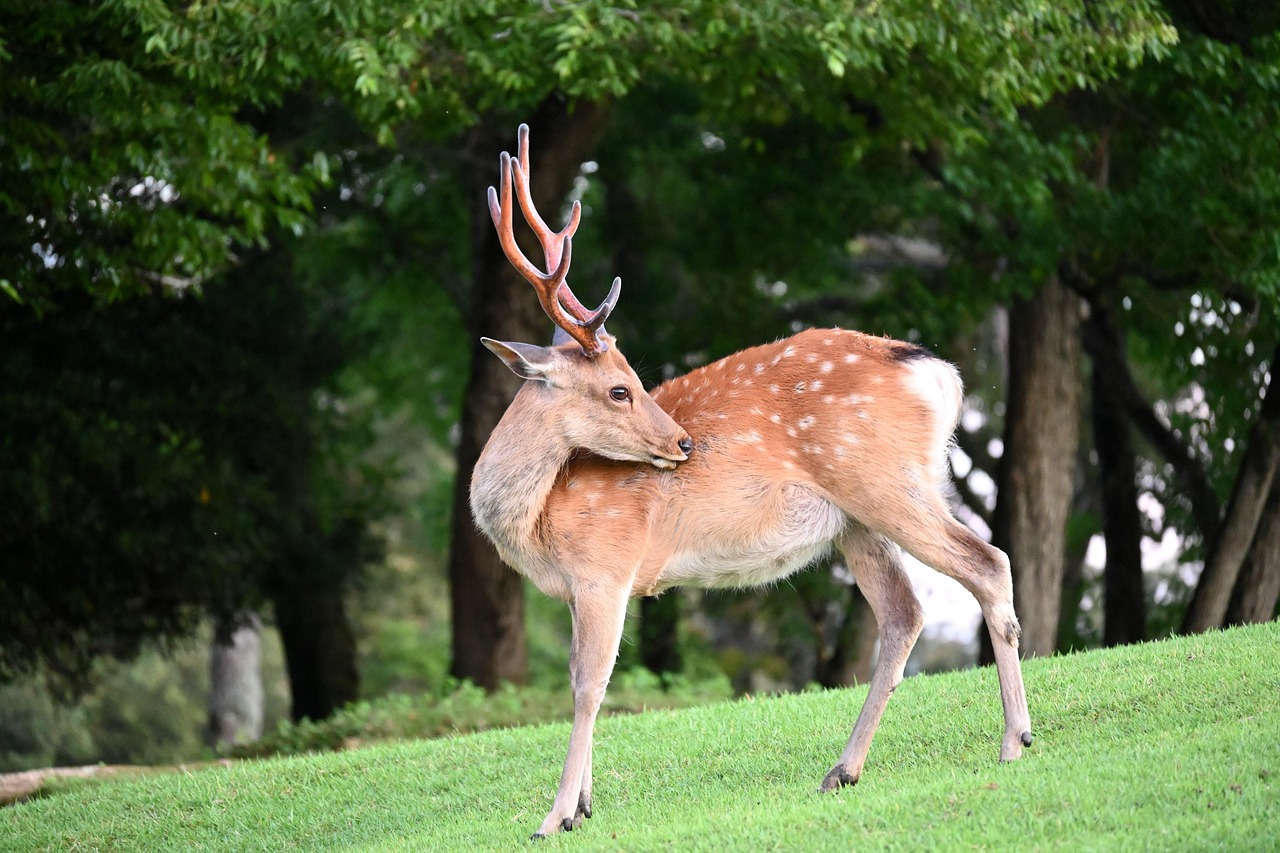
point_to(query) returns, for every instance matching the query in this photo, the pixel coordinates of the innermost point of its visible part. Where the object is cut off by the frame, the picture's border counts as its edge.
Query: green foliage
(1136, 748)
(101, 195)
(463, 708)
(150, 710)
(121, 175)
(164, 459)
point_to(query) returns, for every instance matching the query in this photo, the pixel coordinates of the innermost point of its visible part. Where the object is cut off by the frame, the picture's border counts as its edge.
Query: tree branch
(1110, 364)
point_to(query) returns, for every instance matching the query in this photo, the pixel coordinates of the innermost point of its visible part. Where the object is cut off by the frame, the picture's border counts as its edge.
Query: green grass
(1166, 746)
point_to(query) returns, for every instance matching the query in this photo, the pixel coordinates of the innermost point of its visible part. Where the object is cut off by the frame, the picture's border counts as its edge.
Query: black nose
(686, 445)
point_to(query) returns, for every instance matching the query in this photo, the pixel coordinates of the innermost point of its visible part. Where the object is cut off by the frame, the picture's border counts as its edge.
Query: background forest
(245, 262)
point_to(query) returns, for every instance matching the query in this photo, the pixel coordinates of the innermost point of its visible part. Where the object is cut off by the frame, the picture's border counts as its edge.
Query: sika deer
(737, 474)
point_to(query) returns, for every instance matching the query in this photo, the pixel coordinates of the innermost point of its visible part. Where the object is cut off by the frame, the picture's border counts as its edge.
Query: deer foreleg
(598, 616)
(877, 565)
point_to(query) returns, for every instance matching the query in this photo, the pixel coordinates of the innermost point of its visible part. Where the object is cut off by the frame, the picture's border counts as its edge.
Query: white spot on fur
(777, 419)
(805, 422)
(815, 386)
(773, 389)
(826, 367)
(850, 358)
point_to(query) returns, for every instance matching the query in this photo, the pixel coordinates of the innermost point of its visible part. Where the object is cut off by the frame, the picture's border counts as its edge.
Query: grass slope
(1171, 745)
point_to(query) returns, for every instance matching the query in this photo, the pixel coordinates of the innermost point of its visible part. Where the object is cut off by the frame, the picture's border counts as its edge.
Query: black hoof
(1027, 738)
(537, 836)
(567, 824)
(837, 778)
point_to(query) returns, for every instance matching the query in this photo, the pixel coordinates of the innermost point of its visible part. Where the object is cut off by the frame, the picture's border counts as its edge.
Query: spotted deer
(736, 474)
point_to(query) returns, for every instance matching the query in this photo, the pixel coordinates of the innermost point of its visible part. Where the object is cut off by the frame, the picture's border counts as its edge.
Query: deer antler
(556, 298)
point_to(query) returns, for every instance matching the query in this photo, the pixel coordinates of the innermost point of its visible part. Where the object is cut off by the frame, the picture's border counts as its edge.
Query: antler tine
(552, 240)
(557, 300)
(548, 286)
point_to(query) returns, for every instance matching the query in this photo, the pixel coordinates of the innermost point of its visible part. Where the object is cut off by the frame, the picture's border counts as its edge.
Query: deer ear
(524, 360)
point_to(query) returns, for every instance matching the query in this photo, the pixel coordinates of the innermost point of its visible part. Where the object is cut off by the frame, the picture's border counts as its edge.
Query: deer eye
(620, 394)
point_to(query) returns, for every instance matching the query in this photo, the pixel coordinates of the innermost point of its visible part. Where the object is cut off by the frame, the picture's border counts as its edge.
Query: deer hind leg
(940, 541)
(877, 566)
(598, 616)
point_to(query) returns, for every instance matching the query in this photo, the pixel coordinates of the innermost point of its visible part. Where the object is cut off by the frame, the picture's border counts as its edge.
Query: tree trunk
(659, 633)
(1102, 341)
(1124, 598)
(1036, 469)
(235, 682)
(1258, 587)
(319, 649)
(486, 597)
(846, 657)
(1227, 552)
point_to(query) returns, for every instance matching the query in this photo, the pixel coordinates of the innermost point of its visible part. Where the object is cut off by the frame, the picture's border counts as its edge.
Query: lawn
(1165, 746)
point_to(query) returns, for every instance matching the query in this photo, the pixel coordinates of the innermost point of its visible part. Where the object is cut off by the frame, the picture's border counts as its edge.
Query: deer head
(594, 399)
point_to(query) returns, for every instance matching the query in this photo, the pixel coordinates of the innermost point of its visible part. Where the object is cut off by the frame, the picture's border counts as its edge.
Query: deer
(736, 474)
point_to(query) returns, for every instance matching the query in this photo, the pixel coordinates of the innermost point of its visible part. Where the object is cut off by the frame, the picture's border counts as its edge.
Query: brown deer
(736, 474)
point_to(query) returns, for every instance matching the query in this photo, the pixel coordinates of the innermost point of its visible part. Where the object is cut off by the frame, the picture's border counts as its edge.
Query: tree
(235, 682)
(160, 460)
(1132, 196)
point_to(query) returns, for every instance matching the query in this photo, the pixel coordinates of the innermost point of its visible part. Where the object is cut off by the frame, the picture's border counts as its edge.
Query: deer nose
(686, 445)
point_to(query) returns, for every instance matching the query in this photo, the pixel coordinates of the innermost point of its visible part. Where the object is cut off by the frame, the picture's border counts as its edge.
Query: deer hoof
(837, 778)
(1027, 738)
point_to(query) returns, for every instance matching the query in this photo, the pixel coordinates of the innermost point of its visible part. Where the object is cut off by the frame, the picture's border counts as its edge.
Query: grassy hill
(1165, 746)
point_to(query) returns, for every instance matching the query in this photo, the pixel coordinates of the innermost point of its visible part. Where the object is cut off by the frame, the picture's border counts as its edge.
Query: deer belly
(780, 537)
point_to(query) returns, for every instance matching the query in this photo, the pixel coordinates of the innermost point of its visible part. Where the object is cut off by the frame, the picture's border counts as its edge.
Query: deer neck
(517, 470)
